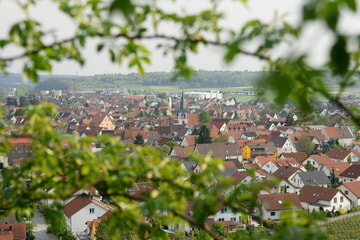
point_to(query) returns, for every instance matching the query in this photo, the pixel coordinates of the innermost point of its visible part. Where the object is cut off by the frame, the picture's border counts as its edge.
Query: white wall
(77, 223)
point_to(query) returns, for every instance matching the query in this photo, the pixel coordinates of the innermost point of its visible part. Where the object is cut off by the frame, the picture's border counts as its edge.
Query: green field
(344, 229)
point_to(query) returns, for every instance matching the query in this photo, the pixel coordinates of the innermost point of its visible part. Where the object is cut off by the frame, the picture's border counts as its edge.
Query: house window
(346, 192)
(224, 210)
(272, 213)
(92, 210)
(221, 219)
(335, 200)
(341, 199)
(233, 219)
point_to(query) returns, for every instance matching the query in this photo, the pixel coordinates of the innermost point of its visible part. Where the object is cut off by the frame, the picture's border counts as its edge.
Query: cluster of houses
(244, 136)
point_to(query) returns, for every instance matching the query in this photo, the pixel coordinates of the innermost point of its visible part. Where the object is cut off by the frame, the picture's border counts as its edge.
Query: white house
(315, 198)
(272, 205)
(82, 209)
(352, 191)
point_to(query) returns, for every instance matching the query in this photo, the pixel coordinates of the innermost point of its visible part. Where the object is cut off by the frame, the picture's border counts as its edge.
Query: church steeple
(182, 103)
(182, 114)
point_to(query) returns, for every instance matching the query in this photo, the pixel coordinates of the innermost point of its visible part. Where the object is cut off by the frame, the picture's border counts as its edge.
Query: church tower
(182, 113)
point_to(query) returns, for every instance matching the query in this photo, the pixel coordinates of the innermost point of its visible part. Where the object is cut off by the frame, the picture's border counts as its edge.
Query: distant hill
(202, 79)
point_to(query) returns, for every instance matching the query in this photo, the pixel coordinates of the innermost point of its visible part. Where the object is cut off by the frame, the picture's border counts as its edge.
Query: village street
(40, 227)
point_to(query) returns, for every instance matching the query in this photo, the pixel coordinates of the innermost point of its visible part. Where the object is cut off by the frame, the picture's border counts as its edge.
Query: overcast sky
(207, 59)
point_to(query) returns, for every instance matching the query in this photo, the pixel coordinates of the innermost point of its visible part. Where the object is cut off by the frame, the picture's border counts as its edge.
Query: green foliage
(117, 167)
(204, 135)
(219, 229)
(204, 118)
(55, 217)
(304, 144)
(139, 140)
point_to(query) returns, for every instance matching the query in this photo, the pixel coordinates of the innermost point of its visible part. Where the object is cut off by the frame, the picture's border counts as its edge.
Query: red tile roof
(313, 194)
(279, 201)
(354, 187)
(193, 119)
(80, 202)
(18, 231)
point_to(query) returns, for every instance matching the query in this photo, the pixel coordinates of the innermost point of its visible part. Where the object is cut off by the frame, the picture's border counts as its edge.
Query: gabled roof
(320, 158)
(331, 133)
(338, 167)
(190, 139)
(339, 154)
(345, 132)
(264, 159)
(18, 231)
(80, 202)
(280, 162)
(353, 187)
(219, 150)
(279, 141)
(279, 201)
(240, 175)
(193, 119)
(313, 194)
(285, 172)
(313, 178)
(352, 171)
(183, 151)
(298, 156)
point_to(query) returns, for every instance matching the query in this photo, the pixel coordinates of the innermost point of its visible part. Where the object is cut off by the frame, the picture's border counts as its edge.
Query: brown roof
(190, 139)
(183, 151)
(353, 186)
(218, 150)
(279, 201)
(240, 175)
(352, 171)
(338, 167)
(285, 172)
(298, 156)
(264, 159)
(339, 154)
(193, 119)
(313, 194)
(18, 231)
(331, 132)
(320, 159)
(80, 202)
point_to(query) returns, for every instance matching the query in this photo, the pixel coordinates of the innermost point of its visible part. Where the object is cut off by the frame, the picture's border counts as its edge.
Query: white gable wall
(77, 222)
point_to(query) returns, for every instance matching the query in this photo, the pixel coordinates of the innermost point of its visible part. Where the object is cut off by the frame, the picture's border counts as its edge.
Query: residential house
(262, 160)
(284, 174)
(262, 149)
(314, 178)
(341, 155)
(352, 173)
(283, 145)
(272, 205)
(189, 140)
(315, 198)
(13, 231)
(352, 191)
(181, 151)
(298, 156)
(226, 151)
(103, 121)
(335, 168)
(314, 162)
(82, 209)
(346, 136)
(273, 165)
